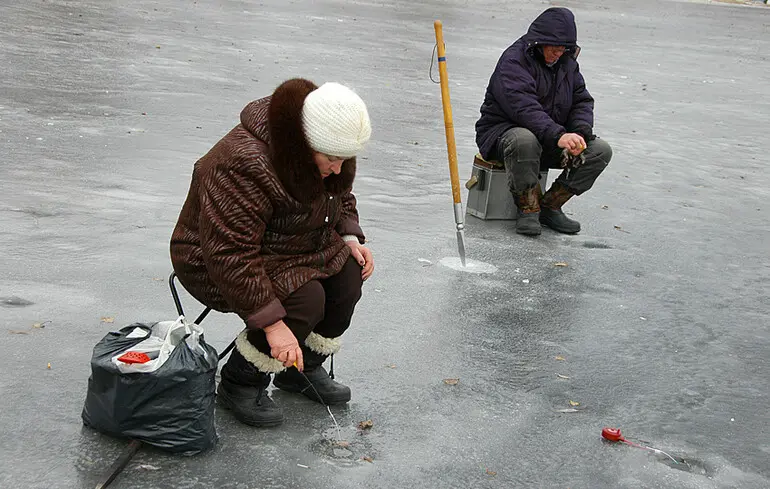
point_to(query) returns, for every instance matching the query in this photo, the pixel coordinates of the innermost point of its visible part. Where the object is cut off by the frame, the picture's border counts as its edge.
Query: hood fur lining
(290, 154)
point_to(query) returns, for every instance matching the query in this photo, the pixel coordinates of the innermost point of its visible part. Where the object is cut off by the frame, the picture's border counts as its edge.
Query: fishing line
(614, 435)
(329, 409)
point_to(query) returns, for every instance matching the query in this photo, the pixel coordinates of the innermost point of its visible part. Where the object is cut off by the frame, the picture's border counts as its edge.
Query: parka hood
(554, 27)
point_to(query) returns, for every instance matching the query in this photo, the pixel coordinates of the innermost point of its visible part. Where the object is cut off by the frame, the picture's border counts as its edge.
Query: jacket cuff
(585, 131)
(350, 227)
(267, 315)
(556, 134)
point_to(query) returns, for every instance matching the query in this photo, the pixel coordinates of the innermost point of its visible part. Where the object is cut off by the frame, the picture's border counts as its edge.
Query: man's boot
(551, 214)
(243, 390)
(528, 212)
(316, 381)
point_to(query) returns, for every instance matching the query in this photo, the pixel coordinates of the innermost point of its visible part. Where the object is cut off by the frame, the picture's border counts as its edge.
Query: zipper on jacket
(326, 233)
(553, 91)
(328, 208)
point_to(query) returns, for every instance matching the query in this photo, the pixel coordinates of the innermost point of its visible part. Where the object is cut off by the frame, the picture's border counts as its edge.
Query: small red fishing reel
(612, 434)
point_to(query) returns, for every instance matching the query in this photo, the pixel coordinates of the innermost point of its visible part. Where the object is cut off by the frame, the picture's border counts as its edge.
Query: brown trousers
(324, 307)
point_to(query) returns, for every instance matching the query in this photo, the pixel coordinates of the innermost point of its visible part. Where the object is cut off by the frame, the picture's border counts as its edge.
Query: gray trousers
(524, 158)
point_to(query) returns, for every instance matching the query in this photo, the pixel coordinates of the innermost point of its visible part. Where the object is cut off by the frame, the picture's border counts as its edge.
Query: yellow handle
(448, 124)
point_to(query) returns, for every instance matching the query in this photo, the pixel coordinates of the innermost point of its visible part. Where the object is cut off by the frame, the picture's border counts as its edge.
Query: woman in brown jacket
(269, 230)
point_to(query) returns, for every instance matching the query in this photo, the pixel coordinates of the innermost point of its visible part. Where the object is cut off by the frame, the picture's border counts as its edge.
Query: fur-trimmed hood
(280, 128)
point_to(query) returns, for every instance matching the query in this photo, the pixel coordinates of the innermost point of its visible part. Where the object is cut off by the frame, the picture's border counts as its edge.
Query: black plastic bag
(171, 408)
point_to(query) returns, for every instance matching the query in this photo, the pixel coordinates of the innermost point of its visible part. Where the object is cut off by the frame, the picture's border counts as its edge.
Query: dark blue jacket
(524, 92)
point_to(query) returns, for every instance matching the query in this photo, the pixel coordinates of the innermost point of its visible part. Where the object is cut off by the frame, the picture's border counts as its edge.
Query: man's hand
(572, 142)
(363, 256)
(283, 345)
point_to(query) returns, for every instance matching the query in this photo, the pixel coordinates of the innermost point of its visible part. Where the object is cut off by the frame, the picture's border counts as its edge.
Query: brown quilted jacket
(259, 221)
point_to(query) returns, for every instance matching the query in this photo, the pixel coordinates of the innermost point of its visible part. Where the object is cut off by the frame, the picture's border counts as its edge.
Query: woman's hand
(363, 256)
(284, 345)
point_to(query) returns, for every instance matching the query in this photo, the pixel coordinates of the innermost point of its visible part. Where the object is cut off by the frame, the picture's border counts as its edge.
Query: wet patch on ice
(36, 213)
(687, 465)
(471, 266)
(14, 301)
(353, 449)
(594, 245)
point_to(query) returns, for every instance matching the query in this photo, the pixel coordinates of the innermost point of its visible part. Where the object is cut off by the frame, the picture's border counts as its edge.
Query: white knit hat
(336, 121)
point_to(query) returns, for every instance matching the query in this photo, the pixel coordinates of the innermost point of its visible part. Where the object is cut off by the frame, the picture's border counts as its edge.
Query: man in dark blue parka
(537, 113)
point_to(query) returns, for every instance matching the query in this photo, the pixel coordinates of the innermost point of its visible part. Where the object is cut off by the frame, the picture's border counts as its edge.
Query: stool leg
(203, 315)
(227, 350)
(175, 294)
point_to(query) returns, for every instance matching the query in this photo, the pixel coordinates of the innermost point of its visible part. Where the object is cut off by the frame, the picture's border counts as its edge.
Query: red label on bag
(134, 357)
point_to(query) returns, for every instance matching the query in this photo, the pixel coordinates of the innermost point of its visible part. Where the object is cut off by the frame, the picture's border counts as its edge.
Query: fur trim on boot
(264, 363)
(321, 345)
